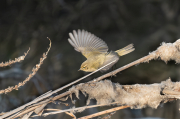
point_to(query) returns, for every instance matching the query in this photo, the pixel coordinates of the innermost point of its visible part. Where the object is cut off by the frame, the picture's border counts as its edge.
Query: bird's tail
(125, 50)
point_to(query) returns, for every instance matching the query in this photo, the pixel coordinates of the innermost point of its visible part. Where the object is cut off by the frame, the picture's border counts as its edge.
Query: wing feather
(73, 39)
(76, 37)
(79, 37)
(87, 43)
(82, 38)
(71, 42)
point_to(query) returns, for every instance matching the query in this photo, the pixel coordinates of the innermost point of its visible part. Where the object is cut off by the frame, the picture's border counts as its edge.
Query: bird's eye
(85, 67)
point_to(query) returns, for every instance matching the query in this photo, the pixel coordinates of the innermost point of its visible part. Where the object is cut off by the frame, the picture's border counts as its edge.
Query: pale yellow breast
(97, 60)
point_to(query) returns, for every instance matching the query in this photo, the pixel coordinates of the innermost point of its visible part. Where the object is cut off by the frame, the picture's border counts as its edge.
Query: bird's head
(87, 67)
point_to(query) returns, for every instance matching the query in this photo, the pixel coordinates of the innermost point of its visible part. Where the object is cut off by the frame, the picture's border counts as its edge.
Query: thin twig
(29, 109)
(21, 58)
(70, 114)
(79, 108)
(24, 112)
(109, 115)
(104, 112)
(34, 70)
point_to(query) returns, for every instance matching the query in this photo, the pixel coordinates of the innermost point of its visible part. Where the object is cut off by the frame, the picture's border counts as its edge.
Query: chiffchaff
(95, 50)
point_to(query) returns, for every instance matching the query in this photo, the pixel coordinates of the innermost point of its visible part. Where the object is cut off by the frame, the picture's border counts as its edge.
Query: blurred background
(27, 23)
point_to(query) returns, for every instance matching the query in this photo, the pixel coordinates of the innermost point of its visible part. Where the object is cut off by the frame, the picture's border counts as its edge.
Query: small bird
(95, 50)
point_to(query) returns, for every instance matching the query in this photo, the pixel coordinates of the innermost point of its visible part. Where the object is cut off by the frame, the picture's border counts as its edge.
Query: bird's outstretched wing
(87, 43)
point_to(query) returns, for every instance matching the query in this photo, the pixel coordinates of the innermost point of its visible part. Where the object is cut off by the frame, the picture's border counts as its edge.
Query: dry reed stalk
(104, 112)
(21, 58)
(34, 71)
(73, 110)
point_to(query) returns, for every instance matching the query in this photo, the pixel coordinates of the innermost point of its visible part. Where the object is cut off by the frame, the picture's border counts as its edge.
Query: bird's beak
(79, 70)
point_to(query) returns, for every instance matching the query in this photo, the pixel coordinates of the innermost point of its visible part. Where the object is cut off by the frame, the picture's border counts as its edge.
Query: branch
(73, 110)
(21, 58)
(104, 112)
(34, 70)
(107, 93)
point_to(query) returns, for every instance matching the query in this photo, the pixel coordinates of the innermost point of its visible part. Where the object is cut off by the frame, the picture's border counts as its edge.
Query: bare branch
(21, 58)
(70, 114)
(74, 109)
(104, 112)
(34, 70)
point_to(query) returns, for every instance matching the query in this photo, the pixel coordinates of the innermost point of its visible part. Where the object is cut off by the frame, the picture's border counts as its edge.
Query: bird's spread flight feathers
(87, 43)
